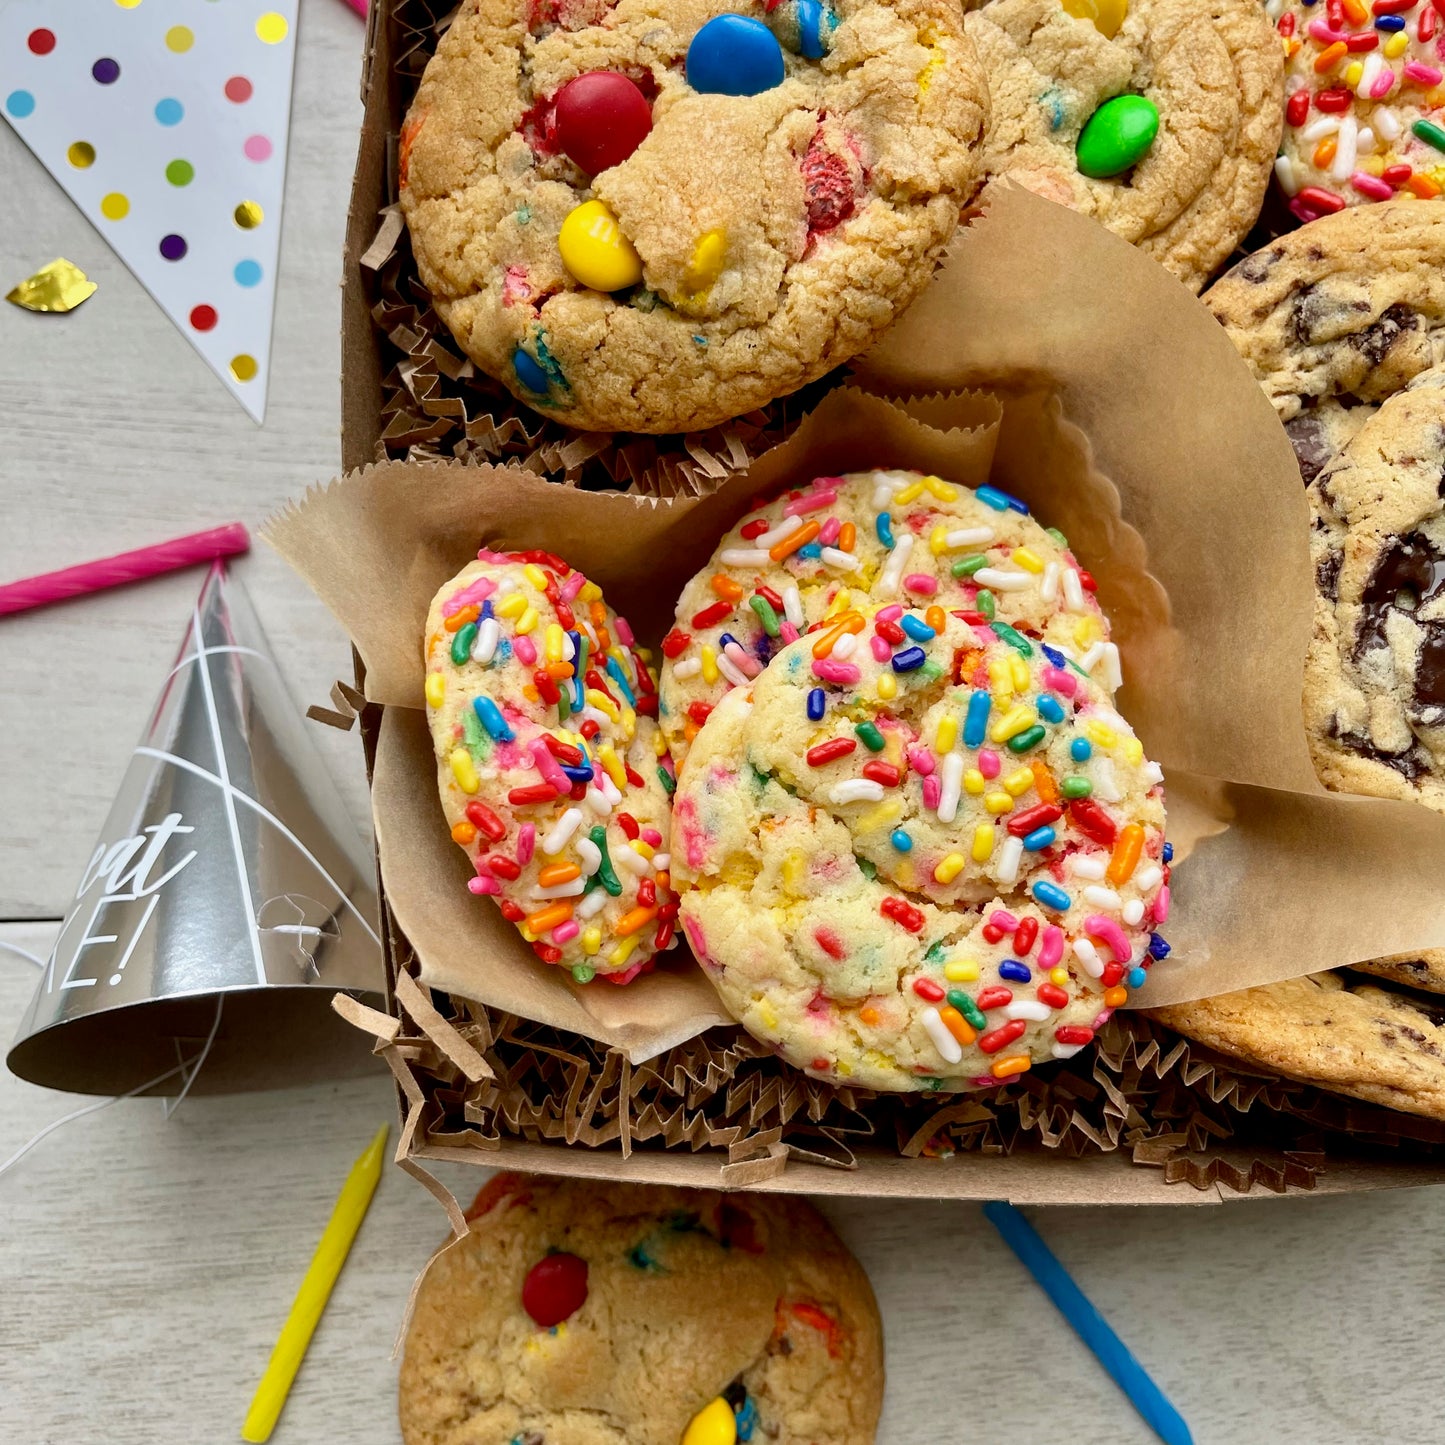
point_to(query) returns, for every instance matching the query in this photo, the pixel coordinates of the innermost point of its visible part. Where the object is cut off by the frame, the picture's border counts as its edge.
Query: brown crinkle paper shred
(436, 404)
(473, 1077)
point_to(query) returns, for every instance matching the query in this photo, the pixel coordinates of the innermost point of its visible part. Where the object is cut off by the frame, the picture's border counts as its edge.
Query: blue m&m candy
(804, 26)
(529, 372)
(734, 55)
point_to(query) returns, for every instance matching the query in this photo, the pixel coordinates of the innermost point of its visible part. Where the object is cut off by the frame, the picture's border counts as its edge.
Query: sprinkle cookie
(1375, 675)
(654, 217)
(1365, 113)
(1159, 118)
(930, 865)
(1338, 316)
(844, 544)
(575, 1313)
(553, 775)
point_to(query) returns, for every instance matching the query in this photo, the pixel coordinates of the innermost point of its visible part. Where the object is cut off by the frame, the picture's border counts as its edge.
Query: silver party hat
(227, 899)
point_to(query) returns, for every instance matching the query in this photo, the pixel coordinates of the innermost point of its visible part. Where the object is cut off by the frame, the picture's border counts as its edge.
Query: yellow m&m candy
(714, 1424)
(1107, 15)
(595, 251)
(708, 258)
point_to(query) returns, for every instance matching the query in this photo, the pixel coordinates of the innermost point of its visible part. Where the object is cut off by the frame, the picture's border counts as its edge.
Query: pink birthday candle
(124, 567)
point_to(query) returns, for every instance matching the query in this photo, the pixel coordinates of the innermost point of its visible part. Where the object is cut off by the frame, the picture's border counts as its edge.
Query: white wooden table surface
(145, 1264)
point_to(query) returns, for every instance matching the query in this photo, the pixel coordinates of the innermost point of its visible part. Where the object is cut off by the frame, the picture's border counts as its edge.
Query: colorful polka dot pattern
(166, 123)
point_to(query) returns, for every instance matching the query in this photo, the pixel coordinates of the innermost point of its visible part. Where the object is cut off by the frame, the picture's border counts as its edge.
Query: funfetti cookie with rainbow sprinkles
(656, 215)
(929, 866)
(553, 775)
(1365, 114)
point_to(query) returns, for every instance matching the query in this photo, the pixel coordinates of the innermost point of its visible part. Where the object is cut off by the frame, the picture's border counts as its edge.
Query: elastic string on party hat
(193, 1064)
(24, 953)
(171, 1105)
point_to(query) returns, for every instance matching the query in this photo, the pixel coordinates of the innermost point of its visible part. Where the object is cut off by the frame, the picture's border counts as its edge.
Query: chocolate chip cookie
(1329, 1030)
(1338, 316)
(1375, 676)
(1423, 970)
(1160, 118)
(654, 215)
(579, 1313)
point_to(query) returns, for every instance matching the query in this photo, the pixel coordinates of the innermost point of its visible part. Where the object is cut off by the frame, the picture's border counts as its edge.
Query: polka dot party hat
(166, 123)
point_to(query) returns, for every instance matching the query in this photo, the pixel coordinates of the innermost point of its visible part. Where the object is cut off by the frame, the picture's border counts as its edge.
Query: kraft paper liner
(1037, 300)
(436, 405)
(1146, 1092)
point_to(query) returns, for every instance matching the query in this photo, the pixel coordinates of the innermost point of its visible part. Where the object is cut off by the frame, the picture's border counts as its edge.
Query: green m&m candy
(1118, 135)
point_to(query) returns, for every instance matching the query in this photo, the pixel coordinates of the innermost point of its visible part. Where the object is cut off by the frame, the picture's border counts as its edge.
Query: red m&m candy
(555, 1289)
(599, 119)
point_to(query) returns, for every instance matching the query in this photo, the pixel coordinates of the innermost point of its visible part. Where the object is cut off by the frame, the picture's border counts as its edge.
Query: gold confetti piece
(60, 286)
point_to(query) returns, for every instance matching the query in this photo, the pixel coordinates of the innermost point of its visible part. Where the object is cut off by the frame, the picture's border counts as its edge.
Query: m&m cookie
(580, 1313)
(819, 555)
(552, 772)
(1159, 118)
(932, 865)
(654, 217)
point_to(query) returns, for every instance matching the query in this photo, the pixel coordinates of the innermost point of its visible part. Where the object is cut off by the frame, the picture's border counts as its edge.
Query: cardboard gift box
(1050, 358)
